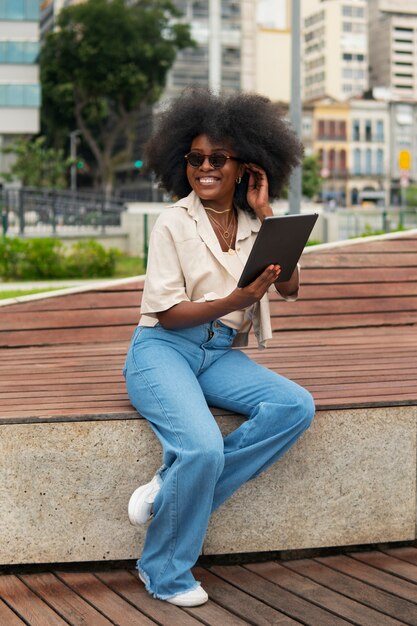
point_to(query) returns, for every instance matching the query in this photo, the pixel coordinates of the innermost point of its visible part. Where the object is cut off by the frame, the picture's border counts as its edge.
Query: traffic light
(138, 164)
(80, 164)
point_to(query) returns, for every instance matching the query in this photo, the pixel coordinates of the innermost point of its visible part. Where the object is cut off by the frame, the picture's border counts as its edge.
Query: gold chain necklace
(208, 208)
(224, 232)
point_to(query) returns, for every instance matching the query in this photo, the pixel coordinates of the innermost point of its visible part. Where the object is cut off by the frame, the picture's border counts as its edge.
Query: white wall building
(393, 47)
(335, 49)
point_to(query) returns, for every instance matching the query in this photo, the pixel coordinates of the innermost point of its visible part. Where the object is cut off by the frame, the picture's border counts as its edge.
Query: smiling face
(214, 187)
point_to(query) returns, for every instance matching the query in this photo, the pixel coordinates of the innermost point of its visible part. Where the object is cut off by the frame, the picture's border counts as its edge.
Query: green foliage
(104, 62)
(47, 258)
(411, 196)
(311, 179)
(37, 165)
(89, 258)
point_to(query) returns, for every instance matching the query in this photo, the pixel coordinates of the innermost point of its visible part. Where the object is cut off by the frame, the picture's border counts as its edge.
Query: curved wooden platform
(351, 340)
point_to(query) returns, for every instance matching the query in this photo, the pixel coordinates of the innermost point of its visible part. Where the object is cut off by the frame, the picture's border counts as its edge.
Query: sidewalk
(46, 284)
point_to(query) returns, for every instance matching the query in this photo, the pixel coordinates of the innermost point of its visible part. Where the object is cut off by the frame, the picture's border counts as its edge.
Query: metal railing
(53, 212)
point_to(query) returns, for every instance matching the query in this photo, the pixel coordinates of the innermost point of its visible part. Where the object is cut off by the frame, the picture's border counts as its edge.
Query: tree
(106, 61)
(311, 180)
(36, 165)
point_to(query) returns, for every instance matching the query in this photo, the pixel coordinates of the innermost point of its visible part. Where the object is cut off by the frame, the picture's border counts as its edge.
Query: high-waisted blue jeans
(172, 376)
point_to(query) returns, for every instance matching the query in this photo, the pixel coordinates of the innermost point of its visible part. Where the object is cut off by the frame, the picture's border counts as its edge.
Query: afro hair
(251, 124)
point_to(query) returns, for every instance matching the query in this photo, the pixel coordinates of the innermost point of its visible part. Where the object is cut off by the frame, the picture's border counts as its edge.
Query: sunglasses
(217, 160)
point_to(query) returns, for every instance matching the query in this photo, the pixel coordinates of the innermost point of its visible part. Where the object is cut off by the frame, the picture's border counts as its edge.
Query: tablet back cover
(280, 241)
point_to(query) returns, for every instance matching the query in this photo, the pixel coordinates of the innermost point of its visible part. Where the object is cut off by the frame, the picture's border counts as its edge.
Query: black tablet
(280, 241)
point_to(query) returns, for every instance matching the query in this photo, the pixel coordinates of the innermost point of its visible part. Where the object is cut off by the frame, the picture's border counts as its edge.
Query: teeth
(207, 180)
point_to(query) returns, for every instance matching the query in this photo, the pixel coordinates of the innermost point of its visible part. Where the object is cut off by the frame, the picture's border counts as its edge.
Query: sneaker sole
(131, 509)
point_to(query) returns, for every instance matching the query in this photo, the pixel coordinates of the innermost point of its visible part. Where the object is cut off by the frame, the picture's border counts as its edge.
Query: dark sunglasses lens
(217, 160)
(195, 159)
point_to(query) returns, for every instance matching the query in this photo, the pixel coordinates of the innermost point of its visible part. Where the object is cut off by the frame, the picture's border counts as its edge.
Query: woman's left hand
(258, 191)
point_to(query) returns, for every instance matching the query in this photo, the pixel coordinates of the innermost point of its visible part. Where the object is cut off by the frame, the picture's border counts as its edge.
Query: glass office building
(20, 94)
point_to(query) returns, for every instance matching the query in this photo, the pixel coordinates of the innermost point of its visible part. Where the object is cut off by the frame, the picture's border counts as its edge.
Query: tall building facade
(335, 49)
(237, 47)
(20, 96)
(393, 47)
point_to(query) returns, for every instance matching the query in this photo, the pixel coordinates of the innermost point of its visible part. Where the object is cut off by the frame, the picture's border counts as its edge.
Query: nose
(206, 164)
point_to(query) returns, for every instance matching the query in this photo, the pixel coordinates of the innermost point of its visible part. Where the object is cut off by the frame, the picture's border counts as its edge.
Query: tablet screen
(280, 241)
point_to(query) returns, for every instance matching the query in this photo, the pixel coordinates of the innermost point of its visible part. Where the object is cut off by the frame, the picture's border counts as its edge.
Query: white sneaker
(141, 501)
(195, 597)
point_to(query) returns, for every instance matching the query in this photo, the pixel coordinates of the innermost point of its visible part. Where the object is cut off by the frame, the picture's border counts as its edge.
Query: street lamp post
(73, 154)
(294, 194)
(215, 46)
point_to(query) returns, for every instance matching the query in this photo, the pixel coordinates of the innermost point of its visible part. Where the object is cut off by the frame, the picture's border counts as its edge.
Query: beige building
(393, 47)
(335, 49)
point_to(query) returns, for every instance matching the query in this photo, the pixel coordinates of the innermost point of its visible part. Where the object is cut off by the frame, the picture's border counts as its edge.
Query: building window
(379, 130)
(356, 130)
(379, 162)
(332, 160)
(19, 52)
(368, 162)
(342, 160)
(357, 162)
(19, 10)
(342, 130)
(368, 130)
(20, 96)
(321, 133)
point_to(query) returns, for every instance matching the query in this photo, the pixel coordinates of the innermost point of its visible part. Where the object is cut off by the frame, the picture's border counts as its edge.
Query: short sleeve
(164, 282)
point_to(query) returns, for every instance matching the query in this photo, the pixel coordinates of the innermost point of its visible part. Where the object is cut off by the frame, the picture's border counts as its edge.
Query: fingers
(257, 175)
(266, 279)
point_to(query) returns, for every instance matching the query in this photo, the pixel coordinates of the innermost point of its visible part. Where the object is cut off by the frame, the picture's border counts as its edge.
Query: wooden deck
(351, 339)
(375, 588)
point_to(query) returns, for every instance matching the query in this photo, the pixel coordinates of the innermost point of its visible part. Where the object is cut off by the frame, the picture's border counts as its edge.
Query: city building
(393, 47)
(330, 132)
(369, 153)
(273, 49)
(20, 95)
(335, 49)
(237, 40)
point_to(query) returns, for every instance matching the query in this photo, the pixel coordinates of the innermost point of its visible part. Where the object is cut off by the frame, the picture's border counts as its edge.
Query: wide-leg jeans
(172, 377)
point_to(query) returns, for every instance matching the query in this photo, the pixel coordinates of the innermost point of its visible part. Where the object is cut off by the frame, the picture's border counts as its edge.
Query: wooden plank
(406, 553)
(61, 336)
(8, 617)
(375, 577)
(105, 600)
(86, 300)
(370, 601)
(366, 320)
(387, 563)
(240, 603)
(289, 602)
(63, 600)
(26, 603)
(133, 590)
(359, 260)
(358, 290)
(348, 305)
(67, 319)
(366, 275)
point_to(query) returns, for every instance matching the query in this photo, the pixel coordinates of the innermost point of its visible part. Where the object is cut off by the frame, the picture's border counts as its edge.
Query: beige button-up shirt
(186, 263)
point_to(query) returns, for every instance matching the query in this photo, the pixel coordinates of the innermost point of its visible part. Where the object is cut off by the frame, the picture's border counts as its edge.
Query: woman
(225, 157)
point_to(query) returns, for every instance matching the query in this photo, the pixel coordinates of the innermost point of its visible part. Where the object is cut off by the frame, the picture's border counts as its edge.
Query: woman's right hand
(246, 296)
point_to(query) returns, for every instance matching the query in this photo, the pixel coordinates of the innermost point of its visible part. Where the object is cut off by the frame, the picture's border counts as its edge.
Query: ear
(241, 170)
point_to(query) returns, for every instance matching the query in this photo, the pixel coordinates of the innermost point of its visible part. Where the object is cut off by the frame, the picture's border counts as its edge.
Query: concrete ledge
(65, 486)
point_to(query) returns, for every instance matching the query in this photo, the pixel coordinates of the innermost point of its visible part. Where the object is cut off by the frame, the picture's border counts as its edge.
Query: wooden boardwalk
(375, 588)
